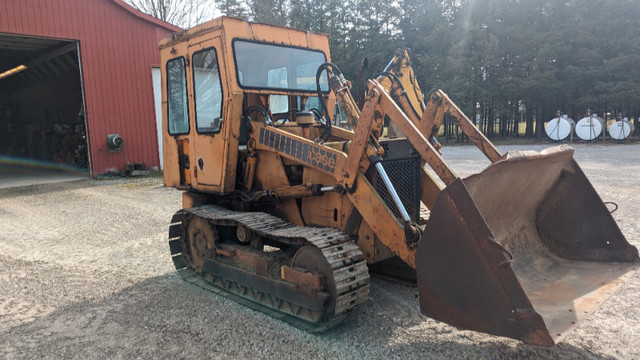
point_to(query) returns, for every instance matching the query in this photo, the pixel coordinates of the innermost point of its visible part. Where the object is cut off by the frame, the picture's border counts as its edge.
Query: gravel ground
(85, 273)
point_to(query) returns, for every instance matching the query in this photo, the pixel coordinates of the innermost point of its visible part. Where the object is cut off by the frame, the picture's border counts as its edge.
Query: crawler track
(277, 298)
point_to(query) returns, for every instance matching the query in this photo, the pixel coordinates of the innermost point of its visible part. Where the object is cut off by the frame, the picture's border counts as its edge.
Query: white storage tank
(560, 128)
(590, 127)
(621, 129)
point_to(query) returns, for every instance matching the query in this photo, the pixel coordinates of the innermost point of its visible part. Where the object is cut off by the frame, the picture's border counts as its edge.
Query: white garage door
(157, 96)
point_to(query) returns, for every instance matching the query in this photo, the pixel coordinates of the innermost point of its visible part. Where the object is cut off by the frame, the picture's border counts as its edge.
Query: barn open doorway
(42, 122)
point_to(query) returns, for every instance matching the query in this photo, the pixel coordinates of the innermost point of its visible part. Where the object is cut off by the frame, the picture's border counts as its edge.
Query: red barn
(77, 83)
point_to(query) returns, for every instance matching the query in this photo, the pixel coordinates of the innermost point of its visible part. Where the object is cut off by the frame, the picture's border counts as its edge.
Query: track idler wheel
(311, 258)
(201, 238)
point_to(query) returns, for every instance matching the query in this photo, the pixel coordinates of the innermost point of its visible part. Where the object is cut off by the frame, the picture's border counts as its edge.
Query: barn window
(207, 91)
(177, 97)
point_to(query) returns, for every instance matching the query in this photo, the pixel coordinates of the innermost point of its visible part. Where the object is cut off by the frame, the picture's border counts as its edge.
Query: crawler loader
(288, 212)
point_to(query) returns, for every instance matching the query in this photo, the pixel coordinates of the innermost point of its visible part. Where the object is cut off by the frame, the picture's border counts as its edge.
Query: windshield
(267, 66)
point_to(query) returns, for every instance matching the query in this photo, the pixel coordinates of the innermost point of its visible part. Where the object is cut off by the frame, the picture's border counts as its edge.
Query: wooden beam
(52, 54)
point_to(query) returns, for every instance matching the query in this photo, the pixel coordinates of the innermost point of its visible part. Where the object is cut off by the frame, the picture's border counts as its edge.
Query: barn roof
(146, 17)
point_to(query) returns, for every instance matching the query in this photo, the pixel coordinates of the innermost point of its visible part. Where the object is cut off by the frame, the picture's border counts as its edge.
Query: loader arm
(430, 186)
(439, 104)
(400, 76)
(400, 238)
(424, 119)
(399, 80)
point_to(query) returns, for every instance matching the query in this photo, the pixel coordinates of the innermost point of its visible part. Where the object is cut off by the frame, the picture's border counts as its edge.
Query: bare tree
(182, 13)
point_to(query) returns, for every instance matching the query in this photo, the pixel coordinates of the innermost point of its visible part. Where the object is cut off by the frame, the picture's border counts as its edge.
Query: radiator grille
(403, 168)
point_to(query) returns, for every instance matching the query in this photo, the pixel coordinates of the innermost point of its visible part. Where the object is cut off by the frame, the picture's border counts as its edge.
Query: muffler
(525, 249)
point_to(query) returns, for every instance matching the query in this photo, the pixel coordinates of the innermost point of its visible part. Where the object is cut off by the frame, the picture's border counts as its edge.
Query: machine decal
(312, 155)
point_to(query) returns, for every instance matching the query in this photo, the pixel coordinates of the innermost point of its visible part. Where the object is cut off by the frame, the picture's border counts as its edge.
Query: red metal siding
(118, 47)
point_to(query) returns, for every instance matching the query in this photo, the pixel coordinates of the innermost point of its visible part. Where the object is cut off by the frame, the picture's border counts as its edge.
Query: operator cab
(223, 74)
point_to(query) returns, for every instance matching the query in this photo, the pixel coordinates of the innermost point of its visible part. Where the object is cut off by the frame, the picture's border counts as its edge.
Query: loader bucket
(525, 249)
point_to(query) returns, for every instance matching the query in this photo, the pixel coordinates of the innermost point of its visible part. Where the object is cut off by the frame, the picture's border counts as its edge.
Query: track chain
(349, 266)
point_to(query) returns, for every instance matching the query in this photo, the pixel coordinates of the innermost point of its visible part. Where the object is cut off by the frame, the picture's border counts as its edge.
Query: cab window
(177, 97)
(277, 78)
(287, 68)
(207, 89)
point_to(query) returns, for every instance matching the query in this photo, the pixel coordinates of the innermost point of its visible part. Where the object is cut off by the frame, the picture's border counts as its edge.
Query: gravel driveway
(85, 273)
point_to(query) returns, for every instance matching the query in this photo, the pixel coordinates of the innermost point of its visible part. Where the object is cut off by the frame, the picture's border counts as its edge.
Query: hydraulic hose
(393, 78)
(261, 109)
(328, 67)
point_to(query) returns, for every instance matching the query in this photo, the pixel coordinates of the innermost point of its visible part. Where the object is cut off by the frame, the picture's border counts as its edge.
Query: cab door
(176, 129)
(208, 135)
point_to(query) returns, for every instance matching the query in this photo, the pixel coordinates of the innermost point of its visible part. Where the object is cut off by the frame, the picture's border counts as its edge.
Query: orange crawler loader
(288, 210)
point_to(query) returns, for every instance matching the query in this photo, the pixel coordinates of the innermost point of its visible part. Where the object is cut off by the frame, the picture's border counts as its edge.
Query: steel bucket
(525, 249)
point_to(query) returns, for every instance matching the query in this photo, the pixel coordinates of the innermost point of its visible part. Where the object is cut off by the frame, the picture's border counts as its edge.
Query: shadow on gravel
(394, 327)
(166, 318)
(523, 351)
(47, 188)
(78, 184)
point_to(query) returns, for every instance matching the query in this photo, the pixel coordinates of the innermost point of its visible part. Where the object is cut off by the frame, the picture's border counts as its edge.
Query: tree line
(504, 62)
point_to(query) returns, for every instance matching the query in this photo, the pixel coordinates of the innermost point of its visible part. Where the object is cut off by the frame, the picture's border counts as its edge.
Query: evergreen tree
(489, 56)
(233, 8)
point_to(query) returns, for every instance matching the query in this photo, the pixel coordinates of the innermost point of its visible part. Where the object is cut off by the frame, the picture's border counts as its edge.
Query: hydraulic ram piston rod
(392, 191)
